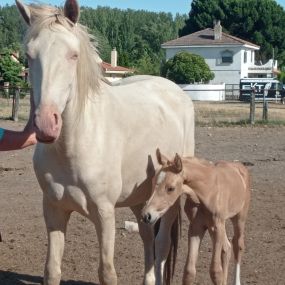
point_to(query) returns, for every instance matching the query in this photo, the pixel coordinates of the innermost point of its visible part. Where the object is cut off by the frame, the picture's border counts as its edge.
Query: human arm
(13, 140)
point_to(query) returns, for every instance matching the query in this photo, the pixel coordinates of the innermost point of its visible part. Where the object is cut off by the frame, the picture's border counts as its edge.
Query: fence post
(252, 106)
(16, 102)
(265, 111)
(265, 104)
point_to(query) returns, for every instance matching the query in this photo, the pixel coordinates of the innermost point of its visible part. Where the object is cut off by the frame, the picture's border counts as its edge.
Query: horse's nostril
(56, 119)
(147, 218)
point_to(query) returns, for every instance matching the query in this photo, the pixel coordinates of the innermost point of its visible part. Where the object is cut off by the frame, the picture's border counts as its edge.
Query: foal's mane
(89, 71)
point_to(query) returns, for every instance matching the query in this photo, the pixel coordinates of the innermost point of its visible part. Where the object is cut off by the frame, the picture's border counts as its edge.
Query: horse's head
(54, 50)
(167, 187)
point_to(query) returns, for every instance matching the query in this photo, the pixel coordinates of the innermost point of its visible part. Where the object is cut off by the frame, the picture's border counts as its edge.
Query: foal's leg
(104, 220)
(56, 220)
(217, 233)
(226, 256)
(163, 242)
(147, 235)
(196, 233)
(238, 241)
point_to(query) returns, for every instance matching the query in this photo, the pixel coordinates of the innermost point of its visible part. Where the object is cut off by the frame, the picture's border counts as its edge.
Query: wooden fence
(14, 93)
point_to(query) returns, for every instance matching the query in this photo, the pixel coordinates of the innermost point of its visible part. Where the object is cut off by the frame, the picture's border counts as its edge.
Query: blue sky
(173, 6)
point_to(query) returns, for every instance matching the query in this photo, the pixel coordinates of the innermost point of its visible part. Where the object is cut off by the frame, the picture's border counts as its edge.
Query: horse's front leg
(166, 237)
(196, 232)
(147, 235)
(104, 220)
(218, 234)
(56, 220)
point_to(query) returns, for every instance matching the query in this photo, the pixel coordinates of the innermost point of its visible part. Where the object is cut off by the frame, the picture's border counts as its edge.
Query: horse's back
(160, 95)
(234, 179)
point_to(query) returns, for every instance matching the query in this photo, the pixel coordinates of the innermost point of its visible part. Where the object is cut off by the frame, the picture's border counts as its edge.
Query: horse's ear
(71, 10)
(177, 163)
(25, 11)
(162, 160)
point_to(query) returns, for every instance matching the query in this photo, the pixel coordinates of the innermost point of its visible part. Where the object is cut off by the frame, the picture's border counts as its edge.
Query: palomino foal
(215, 192)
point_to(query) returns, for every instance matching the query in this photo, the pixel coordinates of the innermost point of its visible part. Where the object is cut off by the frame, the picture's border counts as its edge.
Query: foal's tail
(171, 259)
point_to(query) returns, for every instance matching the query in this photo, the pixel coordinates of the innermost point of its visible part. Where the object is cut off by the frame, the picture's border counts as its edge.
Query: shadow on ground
(14, 278)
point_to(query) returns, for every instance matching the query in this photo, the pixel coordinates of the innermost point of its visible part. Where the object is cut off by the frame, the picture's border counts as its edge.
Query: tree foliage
(137, 35)
(10, 69)
(258, 21)
(185, 68)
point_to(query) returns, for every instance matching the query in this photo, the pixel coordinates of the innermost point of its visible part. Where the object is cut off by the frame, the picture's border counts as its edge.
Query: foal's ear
(71, 10)
(162, 160)
(177, 163)
(25, 11)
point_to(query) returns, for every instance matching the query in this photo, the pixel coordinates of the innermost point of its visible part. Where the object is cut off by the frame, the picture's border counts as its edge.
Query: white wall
(205, 92)
(229, 73)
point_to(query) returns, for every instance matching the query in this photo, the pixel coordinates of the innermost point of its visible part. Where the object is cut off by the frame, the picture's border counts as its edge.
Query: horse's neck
(78, 123)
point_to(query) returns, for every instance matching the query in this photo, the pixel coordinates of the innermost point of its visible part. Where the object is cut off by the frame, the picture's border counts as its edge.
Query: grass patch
(241, 123)
(225, 113)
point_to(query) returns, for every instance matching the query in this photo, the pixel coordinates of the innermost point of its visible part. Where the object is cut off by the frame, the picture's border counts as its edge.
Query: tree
(10, 69)
(185, 68)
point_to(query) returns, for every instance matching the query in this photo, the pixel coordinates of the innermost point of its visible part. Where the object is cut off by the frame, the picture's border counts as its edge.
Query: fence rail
(16, 103)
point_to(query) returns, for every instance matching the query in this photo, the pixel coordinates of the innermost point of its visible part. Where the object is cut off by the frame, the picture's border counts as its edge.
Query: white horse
(97, 141)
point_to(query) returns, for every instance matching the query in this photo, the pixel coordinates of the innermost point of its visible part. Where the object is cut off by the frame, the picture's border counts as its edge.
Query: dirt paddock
(23, 249)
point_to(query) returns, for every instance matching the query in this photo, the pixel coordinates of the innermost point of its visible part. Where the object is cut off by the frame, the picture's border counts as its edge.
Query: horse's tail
(171, 259)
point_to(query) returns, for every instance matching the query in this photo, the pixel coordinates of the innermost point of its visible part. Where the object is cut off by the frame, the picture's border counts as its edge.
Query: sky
(173, 6)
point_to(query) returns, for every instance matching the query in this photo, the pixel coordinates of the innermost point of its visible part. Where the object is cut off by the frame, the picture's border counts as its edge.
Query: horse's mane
(89, 71)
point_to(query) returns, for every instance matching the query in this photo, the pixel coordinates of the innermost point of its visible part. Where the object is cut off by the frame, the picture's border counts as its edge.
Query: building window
(227, 57)
(245, 57)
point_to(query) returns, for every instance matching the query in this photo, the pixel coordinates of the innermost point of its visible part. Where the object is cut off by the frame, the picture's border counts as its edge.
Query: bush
(186, 68)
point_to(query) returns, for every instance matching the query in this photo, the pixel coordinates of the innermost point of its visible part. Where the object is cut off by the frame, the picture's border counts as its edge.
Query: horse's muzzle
(48, 124)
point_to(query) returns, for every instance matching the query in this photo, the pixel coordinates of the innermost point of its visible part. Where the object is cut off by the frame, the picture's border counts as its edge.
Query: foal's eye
(170, 189)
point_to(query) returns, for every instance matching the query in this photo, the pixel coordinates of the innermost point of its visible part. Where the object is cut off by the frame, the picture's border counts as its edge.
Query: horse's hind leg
(238, 241)
(217, 233)
(147, 235)
(56, 220)
(226, 256)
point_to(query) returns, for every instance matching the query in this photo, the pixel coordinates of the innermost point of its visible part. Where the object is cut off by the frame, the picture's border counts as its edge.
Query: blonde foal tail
(171, 259)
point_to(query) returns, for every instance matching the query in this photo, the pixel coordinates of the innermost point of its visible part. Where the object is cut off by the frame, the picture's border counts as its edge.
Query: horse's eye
(74, 56)
(170, 189)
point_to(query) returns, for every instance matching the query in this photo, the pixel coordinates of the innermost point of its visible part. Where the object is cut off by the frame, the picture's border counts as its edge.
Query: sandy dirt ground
(23, 249)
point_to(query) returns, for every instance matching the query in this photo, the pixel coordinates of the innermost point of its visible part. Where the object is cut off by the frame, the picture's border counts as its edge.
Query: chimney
(217, 30)
(114, 57)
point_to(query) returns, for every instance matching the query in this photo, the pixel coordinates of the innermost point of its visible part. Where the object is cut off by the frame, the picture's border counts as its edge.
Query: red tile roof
(206, 37)
(108, 67)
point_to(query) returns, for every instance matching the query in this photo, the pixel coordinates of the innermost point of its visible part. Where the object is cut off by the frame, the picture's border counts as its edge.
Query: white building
(229, 57)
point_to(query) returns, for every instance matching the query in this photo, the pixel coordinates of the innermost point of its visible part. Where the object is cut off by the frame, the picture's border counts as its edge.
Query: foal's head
(167, 187)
